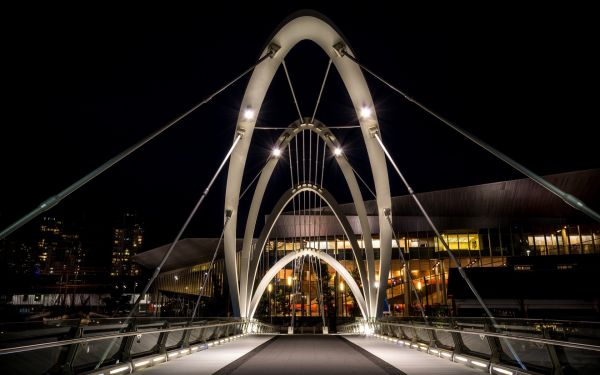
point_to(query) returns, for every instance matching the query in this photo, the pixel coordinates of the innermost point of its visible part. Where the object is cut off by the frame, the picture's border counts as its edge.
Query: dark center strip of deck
(302, 354)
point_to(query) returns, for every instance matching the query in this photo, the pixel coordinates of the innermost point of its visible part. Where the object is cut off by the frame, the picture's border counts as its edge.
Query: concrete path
(208, 361)
(410, 361)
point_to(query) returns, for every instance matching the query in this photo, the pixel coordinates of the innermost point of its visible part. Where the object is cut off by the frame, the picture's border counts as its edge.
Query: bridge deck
(302, 354)
(410, 361)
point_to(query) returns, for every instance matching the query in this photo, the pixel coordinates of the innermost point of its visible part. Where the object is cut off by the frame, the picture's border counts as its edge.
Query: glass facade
(427, 262)
(303, 286)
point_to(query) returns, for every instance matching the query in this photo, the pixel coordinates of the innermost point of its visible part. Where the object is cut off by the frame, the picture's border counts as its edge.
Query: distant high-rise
(58, 252)
(127, 242)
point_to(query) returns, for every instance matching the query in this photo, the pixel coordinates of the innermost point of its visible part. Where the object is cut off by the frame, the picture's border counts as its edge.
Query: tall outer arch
(323, 33)
(319, 254)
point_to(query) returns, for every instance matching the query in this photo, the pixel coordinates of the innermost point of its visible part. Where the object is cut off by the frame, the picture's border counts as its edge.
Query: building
(58, 252)
(490, 228)
(128, 239)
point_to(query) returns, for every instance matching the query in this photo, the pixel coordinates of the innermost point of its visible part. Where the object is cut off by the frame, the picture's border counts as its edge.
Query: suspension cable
(54, 200)
(291, 169)
(310, 156)
(408, 276)
(569, 199)
(363, 181)
(209, 271)
(323, 163)
(287, 74)
(303, 157)
(175, 241)
(253, 180)
(297, 162)
(441, 239)
(312, 119)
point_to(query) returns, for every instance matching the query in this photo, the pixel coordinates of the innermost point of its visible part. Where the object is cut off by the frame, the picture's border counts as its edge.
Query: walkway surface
(208, 361)
(410, 361)
(310, 354)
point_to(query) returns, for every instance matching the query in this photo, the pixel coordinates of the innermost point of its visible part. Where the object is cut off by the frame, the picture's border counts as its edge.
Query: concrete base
(290, 330)
(325, 330)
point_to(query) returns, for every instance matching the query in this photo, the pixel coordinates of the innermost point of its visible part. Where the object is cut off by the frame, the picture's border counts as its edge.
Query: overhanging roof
(513, 198)
(188, 252)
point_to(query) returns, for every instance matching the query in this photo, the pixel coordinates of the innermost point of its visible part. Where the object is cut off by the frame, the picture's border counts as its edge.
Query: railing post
(415, 337)
(201, 336)
(494, 344)
(433, 341)
(64, 364)
(185, 338)
(557, 368)
(124, 353)
(161, 343)
(459, 346)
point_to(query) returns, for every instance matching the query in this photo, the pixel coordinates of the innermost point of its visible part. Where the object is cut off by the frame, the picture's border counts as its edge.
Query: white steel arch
(245, 266)
(318, 254)
(277, 210)
(311, 26)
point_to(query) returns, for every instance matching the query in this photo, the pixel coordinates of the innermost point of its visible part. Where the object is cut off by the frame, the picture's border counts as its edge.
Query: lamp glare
(248, 113)
(365, 112)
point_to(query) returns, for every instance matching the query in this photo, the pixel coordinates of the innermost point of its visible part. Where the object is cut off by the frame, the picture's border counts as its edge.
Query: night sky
(78, 90)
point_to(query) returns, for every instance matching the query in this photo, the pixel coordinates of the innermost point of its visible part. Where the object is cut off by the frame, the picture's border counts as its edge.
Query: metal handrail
(501, 335)
(31, 347)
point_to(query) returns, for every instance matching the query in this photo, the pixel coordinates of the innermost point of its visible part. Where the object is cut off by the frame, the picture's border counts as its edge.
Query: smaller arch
(318, 254)
(246, 278)
(342, 220)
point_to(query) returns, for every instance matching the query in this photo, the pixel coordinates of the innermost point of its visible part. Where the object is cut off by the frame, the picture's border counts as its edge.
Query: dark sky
(79, 89)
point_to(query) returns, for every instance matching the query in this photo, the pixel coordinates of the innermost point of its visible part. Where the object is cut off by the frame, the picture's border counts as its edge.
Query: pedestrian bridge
(234, 346)
(245, 346)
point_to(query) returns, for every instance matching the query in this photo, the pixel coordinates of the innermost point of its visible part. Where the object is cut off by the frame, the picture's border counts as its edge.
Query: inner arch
(342, 220)
(310, 252)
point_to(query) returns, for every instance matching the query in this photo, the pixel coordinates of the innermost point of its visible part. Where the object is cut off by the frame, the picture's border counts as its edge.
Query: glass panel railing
(89, 354)
(530, 353)
(579, 361)
(40, 361)
(476, 344)
(174, 339)
(145, 342)
(445, 339)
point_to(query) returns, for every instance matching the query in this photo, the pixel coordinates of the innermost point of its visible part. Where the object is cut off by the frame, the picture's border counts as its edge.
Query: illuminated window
(461, 241)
